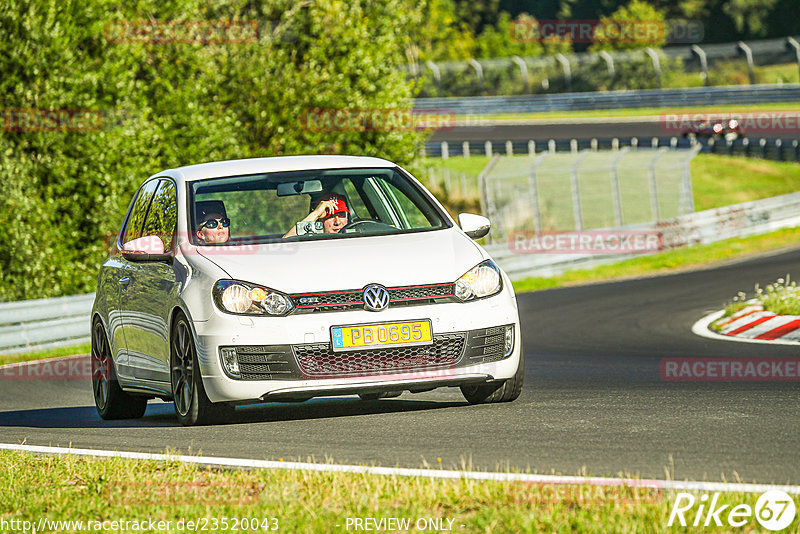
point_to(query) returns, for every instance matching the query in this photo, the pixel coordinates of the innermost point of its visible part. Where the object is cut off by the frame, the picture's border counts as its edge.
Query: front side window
(308, 205)
(162, 216)
(133, 227)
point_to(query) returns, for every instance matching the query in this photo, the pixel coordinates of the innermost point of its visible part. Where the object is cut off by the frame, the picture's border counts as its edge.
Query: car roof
(275, 164)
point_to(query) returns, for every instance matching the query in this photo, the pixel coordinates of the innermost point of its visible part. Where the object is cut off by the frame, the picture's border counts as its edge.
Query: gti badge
(376, 297)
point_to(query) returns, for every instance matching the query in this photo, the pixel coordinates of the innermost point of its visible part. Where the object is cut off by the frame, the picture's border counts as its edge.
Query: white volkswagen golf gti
(287, 278)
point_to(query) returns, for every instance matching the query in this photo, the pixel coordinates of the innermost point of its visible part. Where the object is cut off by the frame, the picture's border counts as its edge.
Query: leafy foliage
(170, 103)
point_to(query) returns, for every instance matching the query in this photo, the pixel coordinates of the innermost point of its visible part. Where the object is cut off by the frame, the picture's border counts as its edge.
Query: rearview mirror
(475, 226)
(146, 248)
(296, 188)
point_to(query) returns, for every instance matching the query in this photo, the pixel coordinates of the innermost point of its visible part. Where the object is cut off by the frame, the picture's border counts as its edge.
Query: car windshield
(309, 205)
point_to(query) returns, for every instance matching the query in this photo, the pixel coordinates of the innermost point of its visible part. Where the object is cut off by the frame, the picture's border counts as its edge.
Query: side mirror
(146, 248)
(475, 226)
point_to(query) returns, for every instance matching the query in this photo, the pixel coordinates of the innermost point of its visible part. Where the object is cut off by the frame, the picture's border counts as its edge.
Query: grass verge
(77, 489)
(83, 348)
(680, 259)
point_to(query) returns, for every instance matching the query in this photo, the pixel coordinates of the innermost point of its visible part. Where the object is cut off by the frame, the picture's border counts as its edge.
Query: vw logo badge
(376, 297)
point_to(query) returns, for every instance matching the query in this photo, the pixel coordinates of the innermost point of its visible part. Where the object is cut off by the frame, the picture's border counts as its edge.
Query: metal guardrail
(671, 98)
(44, 323)
(771, 149)
(703, 227)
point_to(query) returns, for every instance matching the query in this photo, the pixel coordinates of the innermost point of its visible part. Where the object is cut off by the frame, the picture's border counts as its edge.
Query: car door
(152, 287)
(119, 275)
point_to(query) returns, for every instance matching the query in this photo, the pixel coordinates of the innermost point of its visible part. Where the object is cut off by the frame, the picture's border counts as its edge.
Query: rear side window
(162, 216)
(133, 228)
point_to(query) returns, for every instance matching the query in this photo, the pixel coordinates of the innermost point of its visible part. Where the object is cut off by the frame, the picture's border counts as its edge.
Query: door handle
(124, 281)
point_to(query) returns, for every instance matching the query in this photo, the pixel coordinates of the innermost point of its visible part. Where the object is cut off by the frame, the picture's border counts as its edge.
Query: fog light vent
(509, 339)
(230, 361)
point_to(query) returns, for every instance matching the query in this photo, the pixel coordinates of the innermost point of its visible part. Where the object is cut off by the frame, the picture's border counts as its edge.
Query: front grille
(353, 299)
(266, 362)
(317, 360)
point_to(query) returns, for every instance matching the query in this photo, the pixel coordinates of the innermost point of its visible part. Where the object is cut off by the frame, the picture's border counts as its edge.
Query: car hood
(351, 263)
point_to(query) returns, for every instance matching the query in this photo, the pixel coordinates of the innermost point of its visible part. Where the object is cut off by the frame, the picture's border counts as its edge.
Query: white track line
(398, 471)
(701, 329)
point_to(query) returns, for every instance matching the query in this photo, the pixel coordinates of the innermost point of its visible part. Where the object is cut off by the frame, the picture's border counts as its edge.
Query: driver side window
(133, 228)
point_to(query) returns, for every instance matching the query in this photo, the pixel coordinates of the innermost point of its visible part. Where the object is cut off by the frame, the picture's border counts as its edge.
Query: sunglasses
(212, 223)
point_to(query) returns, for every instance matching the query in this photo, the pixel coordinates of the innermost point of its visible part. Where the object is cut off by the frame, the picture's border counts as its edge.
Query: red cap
(341, 204)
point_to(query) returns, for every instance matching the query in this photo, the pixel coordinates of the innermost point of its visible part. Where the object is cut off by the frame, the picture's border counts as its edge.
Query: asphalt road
(642, 128)
(593, 401)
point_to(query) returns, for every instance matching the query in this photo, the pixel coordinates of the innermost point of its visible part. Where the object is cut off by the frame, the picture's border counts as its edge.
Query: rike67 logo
(774, 510)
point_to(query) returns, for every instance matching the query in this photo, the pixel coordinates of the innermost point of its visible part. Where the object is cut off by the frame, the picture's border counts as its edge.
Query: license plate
(373, 336)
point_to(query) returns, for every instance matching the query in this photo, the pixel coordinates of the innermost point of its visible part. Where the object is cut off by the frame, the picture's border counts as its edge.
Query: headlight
(243, 298)
(480, 281)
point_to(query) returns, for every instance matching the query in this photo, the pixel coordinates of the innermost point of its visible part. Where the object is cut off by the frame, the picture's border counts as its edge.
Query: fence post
(791, 42)
(551, 145)
(634, 143)
(748, 53)
(656, 64)
(796, 146)
(615, 144)
(779, 149)
(487, 203)
(654, 142)
(437, 76)
(763, 143)
(533, 191)
(576, 193)
(700, 53)
(478, 72)
(567, 70)
(593, 144)
(610, 66)
(509, 148)
(673, 142)
(523, 72)
(615, 186)
(573, 146)
(531, 148)
(651, 171)
(445, 150)
(487, 146)
(465, 149)
(687, 197)
(746, 147)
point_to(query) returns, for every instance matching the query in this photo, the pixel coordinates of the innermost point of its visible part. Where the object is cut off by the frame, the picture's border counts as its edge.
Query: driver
(331, 209)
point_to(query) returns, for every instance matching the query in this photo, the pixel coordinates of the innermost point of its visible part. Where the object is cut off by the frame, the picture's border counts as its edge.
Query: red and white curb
(211, 461)
(751, 324)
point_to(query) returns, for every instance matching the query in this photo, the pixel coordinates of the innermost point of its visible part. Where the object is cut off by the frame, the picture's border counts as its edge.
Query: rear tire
(191, 402)
(109, 399)
(506, 391)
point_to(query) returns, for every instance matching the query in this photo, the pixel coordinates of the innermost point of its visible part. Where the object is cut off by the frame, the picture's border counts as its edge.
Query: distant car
(730, 130)
(401, 298)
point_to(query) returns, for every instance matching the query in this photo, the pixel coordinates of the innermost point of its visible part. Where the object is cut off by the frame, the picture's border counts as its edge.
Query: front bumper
(289, 358)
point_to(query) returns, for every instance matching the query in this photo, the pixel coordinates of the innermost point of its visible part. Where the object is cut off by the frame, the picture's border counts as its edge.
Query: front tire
(109, 399)
(191, 402)
(506, 391)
